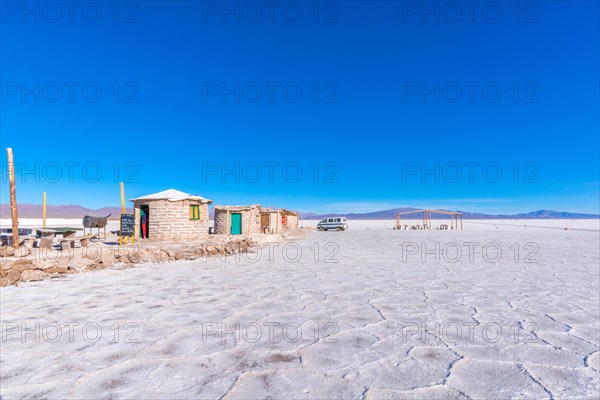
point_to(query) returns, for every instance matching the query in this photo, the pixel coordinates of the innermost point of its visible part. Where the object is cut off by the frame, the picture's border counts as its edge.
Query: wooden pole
(13, 199)
(121, 237)
(122, 198)
(44, 210)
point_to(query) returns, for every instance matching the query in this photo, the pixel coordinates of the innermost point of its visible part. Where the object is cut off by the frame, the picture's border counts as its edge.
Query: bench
(83, 241)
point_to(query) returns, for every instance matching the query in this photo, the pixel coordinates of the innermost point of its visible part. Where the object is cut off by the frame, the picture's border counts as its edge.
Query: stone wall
(35, 264)
(292, 221)
(221, 222)
(170, 220)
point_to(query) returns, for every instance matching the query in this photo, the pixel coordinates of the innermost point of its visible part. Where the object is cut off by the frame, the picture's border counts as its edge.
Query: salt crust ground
(370, 325)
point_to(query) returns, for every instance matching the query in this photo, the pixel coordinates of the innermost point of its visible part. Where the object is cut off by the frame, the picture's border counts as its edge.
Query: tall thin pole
(44, 210)
(13, 199)
(122, 198)
(121, 237)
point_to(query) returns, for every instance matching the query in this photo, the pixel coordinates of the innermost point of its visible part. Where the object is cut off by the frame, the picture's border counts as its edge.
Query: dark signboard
(127, 224)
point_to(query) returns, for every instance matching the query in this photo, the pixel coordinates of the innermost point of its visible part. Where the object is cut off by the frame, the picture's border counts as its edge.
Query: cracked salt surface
(369, 326)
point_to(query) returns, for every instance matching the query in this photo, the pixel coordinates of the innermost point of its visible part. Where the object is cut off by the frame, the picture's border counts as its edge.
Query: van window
(330, 220)
(344, 219)
(338, 220)
(324, 220)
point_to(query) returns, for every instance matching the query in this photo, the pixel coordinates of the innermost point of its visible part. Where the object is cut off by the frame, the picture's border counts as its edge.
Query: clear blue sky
(387, 89)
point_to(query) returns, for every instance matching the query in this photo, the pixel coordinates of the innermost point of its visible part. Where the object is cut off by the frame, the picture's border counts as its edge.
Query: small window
(338, 220)
(330, 220)
(194, 213)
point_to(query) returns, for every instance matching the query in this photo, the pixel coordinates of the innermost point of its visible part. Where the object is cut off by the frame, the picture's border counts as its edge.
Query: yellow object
(122, 198)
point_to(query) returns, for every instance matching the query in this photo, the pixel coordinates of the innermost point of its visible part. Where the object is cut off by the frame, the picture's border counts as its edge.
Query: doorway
(265, 222)
(236, 224)
(144, 221)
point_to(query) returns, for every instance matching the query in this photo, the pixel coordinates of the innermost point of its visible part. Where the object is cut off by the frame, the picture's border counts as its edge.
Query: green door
(236, 224)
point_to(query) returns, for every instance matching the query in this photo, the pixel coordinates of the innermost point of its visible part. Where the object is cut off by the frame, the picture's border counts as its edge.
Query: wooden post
(122, 239)
(13, 199)
(44, 210)
(122, 198)
(277, 222)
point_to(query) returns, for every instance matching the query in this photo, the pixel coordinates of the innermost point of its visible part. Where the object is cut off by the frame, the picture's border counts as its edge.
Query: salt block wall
(221, 222)
(292, 221)
(251, 221)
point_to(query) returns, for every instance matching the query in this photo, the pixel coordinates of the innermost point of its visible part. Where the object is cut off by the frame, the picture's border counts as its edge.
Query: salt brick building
(252, 219)
(237, 220)
(173, 215)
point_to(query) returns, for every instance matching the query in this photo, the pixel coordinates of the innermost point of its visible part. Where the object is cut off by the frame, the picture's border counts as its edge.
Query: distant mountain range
(74, 211)
(67, 211)
(391, 214)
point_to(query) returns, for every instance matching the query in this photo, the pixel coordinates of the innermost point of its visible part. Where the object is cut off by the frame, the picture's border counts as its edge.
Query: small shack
(253, 219)
(171, 215)
(277, 220)
(237, 220)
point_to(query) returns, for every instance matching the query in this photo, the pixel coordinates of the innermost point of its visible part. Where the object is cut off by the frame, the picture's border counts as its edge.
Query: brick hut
(252, 219)
(172, 215)
(275, 221)
(237, 220)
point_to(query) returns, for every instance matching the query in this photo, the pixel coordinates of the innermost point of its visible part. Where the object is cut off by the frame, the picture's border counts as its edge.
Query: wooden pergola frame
(426, 214)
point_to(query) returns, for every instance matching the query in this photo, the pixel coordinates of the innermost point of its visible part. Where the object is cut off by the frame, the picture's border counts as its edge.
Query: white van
(337, 223)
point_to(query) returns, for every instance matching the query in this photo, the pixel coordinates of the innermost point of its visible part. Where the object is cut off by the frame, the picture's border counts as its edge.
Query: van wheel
(325, 229)
(340, 229)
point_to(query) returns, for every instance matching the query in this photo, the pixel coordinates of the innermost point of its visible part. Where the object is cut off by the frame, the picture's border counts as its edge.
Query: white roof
(171, 195)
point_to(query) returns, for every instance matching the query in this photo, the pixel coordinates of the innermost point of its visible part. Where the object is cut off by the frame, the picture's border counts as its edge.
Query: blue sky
(317, 106)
